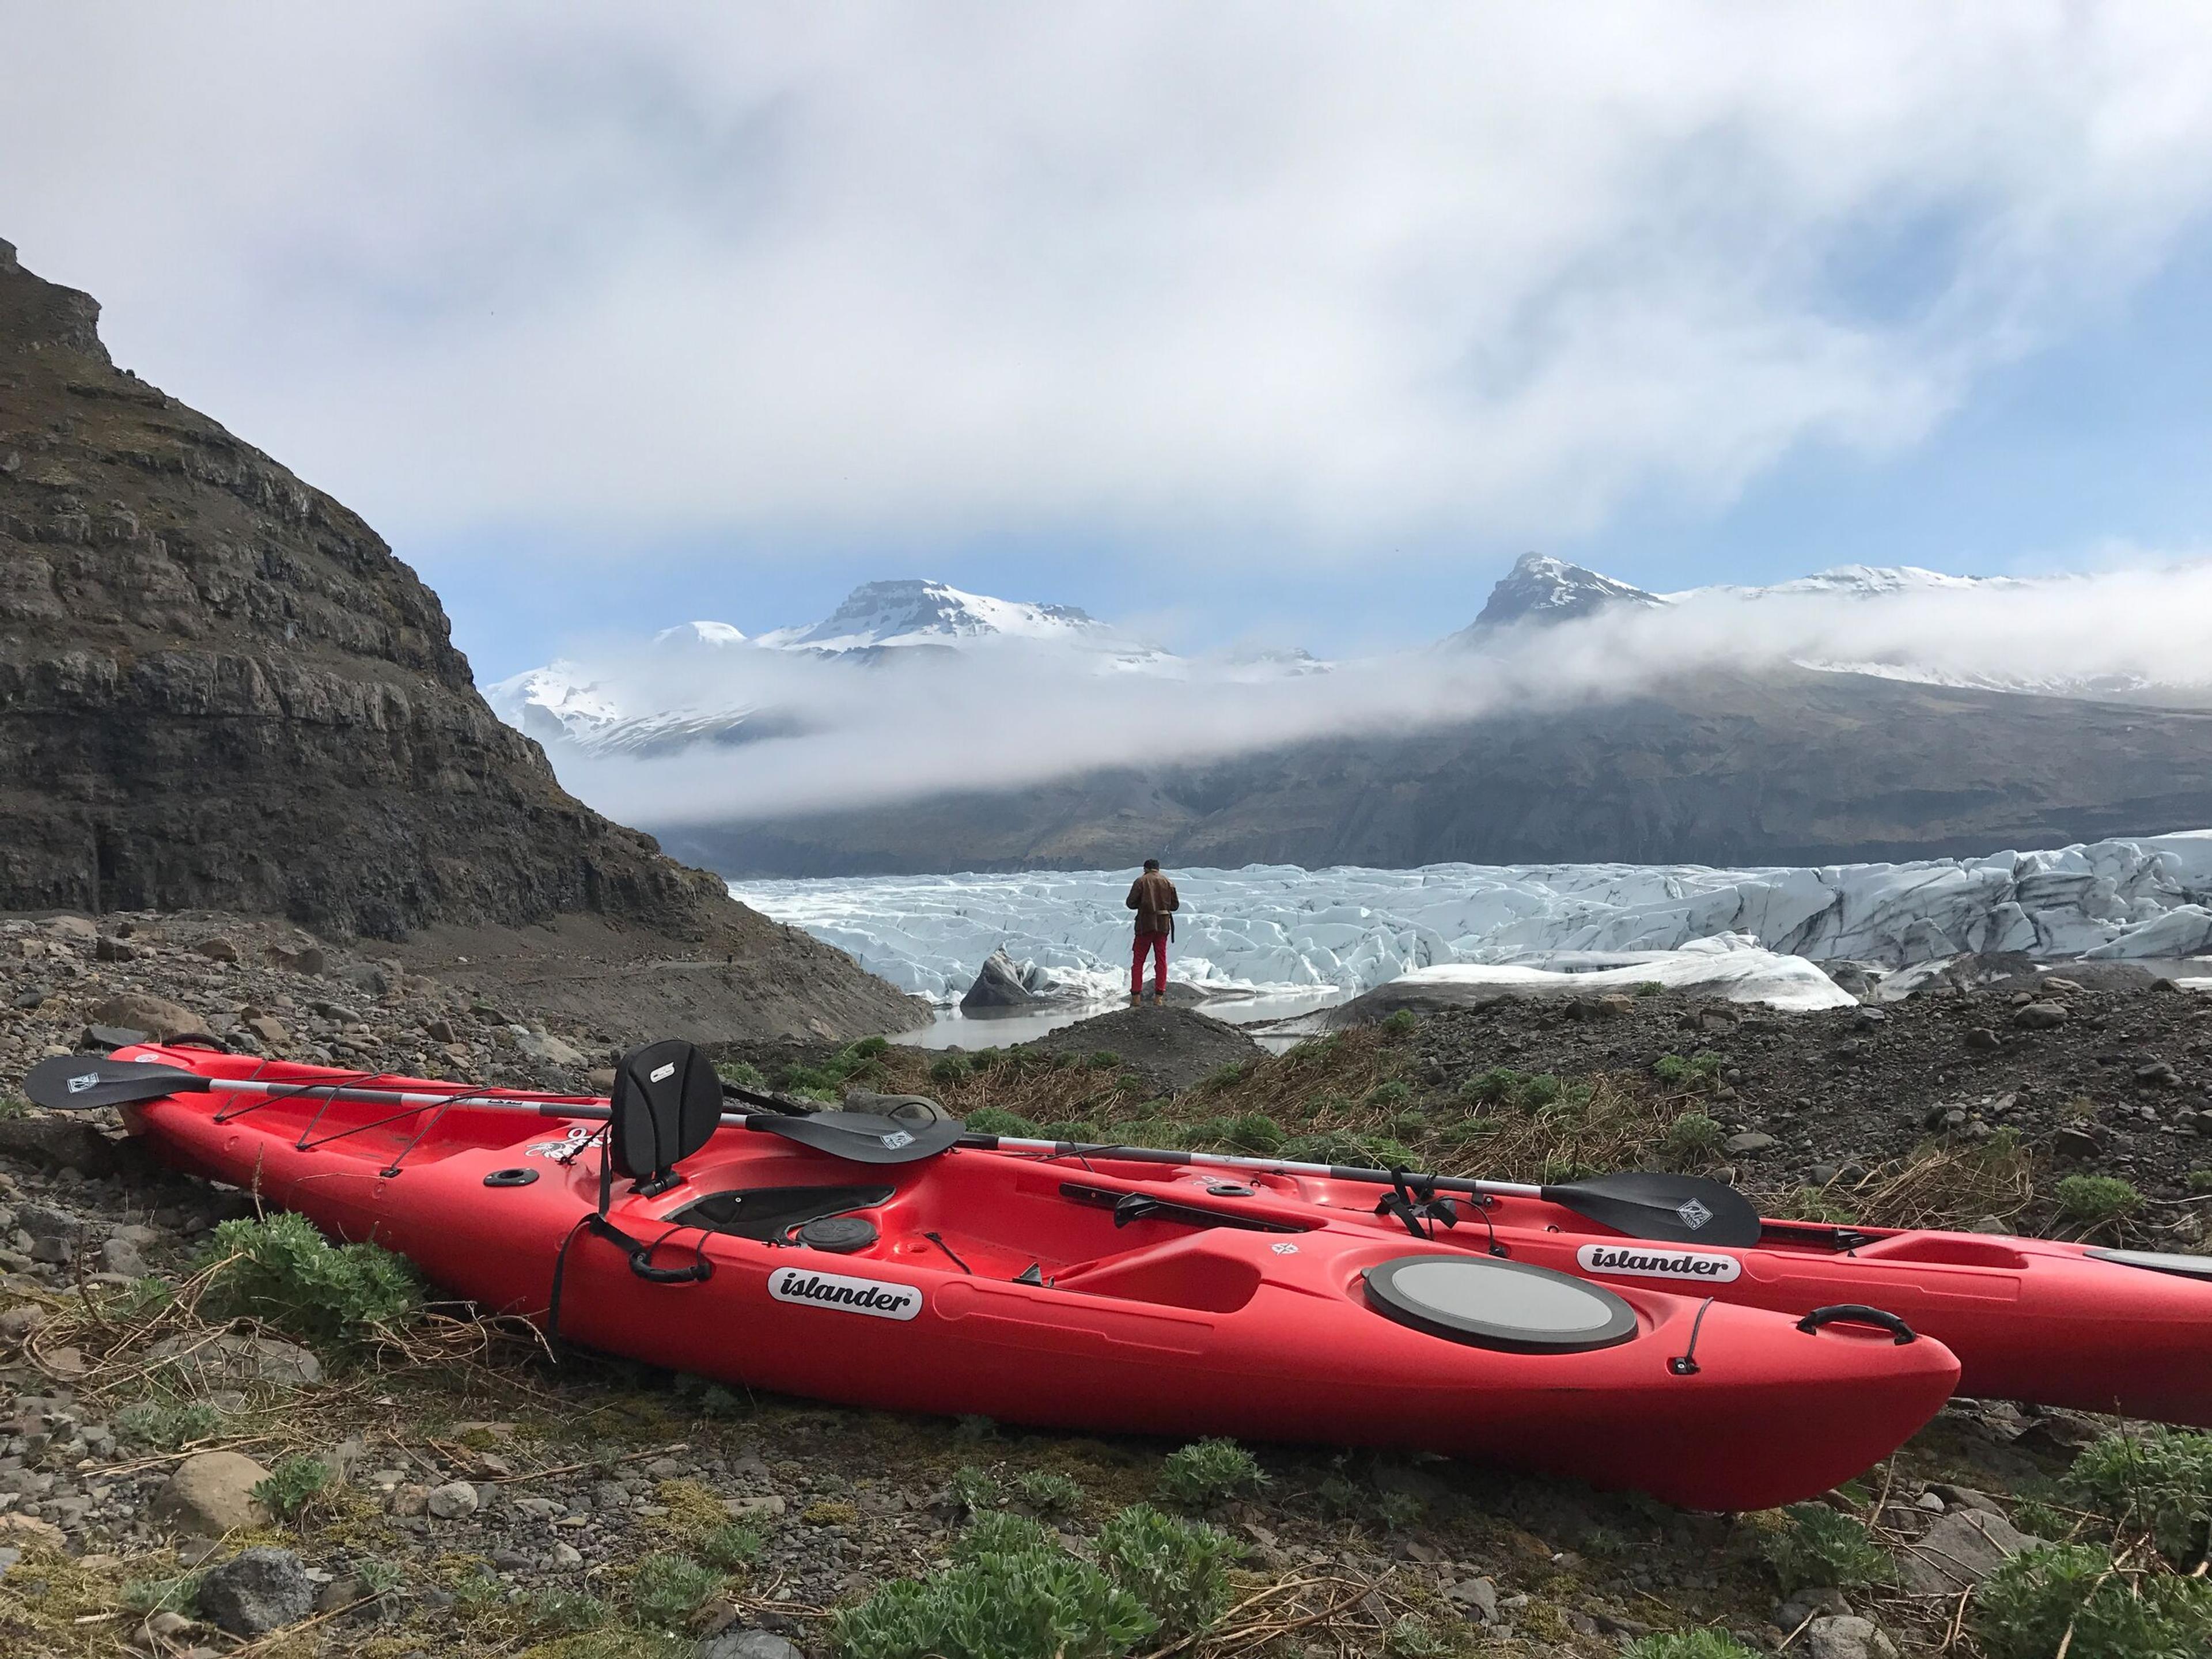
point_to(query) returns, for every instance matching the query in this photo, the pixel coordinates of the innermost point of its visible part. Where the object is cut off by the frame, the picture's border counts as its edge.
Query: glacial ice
(1275, 928)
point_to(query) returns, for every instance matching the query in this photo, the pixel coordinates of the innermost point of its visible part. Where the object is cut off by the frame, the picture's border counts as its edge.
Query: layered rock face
(219, 688)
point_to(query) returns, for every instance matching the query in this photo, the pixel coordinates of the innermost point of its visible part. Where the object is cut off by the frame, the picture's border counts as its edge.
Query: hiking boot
(1136, 999)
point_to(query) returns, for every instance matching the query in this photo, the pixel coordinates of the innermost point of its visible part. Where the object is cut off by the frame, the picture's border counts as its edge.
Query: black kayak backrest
(667, 1103)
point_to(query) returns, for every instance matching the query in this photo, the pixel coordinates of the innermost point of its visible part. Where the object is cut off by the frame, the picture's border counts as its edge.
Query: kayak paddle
(1674, 1209)
(84, 1083)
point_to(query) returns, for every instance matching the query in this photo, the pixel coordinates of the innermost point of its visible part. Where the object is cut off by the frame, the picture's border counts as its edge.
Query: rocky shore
(174, 1480)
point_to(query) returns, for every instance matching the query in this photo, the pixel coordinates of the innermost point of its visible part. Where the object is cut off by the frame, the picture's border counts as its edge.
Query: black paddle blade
(859, 1138)
(1678, 1209)
(84, 1083)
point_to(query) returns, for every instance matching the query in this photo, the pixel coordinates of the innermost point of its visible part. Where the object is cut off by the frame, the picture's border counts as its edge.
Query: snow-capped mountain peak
(1544, 590)
(699, 636)
(1858, 581)
(909, 611)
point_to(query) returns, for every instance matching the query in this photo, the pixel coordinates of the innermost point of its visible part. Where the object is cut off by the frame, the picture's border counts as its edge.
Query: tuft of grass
(1403, 1023)
(1692, 1139)
(1177, 1569)
(1208, 1471)
(1700, 1071)
(1648, 987)
(1048, 1492)
(2074, 1597)
(972, 1490)
(1000, 1533)
(2094, 1201)
(164, 1593)
(2159, 1481)
(2199, 1181)
(279, 1269)
(1412, 1636)
(947, 1068)
(294, 1483)
(666, 1590)
(731, 1546)
(1023, 1604)
(1688, 1644)
(166, 1427)
(564, 1612)
(742, 1073)
(1818, 1547)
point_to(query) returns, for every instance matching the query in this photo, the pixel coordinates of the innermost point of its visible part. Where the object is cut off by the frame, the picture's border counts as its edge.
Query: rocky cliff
(219, 688)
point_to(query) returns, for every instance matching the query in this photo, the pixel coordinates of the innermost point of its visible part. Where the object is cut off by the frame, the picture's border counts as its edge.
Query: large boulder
(136, 1011)
(212, 1493)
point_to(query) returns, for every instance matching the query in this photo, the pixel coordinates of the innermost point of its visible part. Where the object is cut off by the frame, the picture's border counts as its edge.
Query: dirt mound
(1173, 1048)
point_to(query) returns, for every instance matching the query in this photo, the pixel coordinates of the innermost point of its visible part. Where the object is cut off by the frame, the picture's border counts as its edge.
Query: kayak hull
(2041, 1321)
(1159, 1325)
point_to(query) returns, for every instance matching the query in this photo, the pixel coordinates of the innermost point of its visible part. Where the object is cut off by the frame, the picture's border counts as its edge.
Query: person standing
(1153, 897)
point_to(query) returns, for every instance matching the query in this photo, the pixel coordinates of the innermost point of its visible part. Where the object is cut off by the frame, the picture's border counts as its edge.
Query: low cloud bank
(923, 722)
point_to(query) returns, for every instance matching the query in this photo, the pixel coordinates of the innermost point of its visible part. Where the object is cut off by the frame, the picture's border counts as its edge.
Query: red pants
(1158, 944)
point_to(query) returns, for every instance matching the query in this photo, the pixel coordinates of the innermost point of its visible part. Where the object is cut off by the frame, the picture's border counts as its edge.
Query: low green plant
(717, 1401)
(378, 1575)
(1818, 1547)
(1700, 1071)
(1496, 1087)
(1023, 1604)
(1692, 1136)
(1397, 1510)
(740, 1073)
(1402, 1022)
(1000, 1533)
(2159, 1481)
(1208, 1471)
(947, 1068)
(1648, 987)
(2094, 1201)
(1413, 1636)
(163, 1593)
(1177, 1569)
(972, 1490)
(1223, 1077)
(666, 1589)
(731, 1546)
(2075, 1597)
(167, 1426)
(2199, 1181)
(998, 1120)
(1391, 1093)
(549, 1612)
(1688, 1644)
(1103, 1060)
(277, 1268)
(294, 1483)
(1049, 1491)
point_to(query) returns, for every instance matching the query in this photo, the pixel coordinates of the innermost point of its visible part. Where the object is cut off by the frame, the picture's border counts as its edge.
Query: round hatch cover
(1507, 1305)
(2186, 1267)
(841, 1233)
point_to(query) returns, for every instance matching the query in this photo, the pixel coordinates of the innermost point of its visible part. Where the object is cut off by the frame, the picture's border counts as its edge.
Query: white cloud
(1288, 280)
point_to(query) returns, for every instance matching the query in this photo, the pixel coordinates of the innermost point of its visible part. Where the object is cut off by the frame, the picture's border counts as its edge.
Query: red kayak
(2128, 1332)
(1047, 1292)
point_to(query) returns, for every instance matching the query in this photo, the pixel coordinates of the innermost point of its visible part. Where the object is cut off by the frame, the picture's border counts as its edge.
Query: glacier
(1278, 929)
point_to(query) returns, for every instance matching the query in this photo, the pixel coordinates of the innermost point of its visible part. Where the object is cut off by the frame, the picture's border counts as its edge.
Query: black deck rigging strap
(1412, 1200)
(640, 1252)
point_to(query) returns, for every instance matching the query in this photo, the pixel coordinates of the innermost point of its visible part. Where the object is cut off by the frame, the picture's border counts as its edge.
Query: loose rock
(256, 1591)
(212, 1493)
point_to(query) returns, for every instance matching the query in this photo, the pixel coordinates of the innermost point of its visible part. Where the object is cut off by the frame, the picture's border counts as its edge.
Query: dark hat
(1151, 864)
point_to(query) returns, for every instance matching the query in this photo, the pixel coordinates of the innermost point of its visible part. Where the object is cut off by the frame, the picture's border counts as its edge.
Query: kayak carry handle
(1857, 1313)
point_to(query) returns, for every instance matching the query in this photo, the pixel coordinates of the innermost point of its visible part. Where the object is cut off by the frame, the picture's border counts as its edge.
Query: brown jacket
(1153, 897)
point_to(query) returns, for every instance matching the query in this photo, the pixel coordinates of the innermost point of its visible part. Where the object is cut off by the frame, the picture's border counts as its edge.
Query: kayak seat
(769, 1212)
